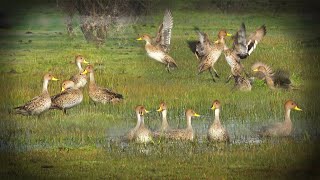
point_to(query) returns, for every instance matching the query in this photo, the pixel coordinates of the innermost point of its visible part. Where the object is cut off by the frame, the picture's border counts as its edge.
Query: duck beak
(54, 79)
(146, 111)
(160, 109)
(63, 89)
(85, 62)
(196, 115)
(255, 70)
(84, 72)
(298, 109)
(213, 107)
(217, 41)
(139, 39)
(229, 34)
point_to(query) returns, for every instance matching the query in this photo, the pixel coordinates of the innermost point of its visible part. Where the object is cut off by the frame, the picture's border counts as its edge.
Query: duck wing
(164, 32)
(203, 45)
(240, 42)
(255, 38)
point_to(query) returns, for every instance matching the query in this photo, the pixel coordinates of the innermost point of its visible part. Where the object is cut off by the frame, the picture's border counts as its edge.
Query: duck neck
(79, 66)
(142, 121)
(138, 121)
(92, 78)
(45, 86)
(287, 118)
(216, 117)
(189, 126)
(164, 119)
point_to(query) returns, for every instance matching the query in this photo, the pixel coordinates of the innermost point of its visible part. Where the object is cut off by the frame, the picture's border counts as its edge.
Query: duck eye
(291, 103)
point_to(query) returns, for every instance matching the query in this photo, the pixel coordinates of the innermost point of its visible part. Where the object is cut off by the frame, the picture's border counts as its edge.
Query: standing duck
(99, 94)
(158, 47)
(273, 80)
(164, 126)
(139, 112)
(281, 128)
(242, 48)
(209, 54)
(39, 103)
(216, 131)
(183, 134)
(79, 79)
(141, 134)
(69, 97)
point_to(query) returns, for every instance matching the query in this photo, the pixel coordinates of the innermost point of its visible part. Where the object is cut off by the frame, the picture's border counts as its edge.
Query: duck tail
(21, 110)
(282, 78)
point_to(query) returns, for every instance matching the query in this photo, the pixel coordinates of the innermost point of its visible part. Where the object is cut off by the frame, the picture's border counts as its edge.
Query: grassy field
(85, 143)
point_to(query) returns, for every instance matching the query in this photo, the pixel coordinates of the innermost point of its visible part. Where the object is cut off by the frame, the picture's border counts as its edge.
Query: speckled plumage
(99, 94)
(80, 80)
(70, 97)
(216, 131)
(40, 103)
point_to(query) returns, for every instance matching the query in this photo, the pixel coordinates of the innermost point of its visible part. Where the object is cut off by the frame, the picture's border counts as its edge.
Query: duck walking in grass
(39, 103)
(216, 131)
(99, 94)
(281, 128)
(69, 97)
(242, 48)
(80, 80)
(208, 53)
(158, 48)
(183, 134)
(278, 79)
(164, 125)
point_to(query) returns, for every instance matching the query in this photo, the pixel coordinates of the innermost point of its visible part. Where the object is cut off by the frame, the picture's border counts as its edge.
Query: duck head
(49, 77)
(215, 105)
(88, 69)
(291, 105)
(141, 110)
(162, 107)
(191, 113)
(80, 59)
(145, 37)
(67, 85)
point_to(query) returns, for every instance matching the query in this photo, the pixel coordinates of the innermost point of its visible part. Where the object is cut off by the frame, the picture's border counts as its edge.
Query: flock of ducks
(216, 131)
(157, 48)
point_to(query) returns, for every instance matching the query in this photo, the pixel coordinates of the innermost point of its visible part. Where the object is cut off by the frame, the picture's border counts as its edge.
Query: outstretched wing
(203, 45)
(164, 32)
(255, 38)
(240, 42)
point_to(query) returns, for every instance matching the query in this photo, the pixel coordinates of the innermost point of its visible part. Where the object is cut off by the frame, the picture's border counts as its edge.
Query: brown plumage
(281, 128)
(158, 48)
(209, 53)
(99, 94)
(242, 83)
(183, 134)
(69, 97)
(277, 79)
(80, 80)
(39, 103)
(216, 131)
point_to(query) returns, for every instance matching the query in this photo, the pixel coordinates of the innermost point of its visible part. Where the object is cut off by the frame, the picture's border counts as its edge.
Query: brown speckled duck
(209, 53)
(158, 47)
(183, 134)
(80, 80)
(69, 97)
(142, 134)
(99, 94)
(281, 128)
(39, 103)
(216, 131)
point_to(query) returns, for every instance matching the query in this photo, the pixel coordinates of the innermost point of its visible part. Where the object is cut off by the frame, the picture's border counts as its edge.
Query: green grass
(85, 143)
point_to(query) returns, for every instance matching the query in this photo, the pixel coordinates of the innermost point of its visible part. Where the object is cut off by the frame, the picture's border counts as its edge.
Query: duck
(158, 48)
(242, 83)
(141, 134)
(281, 129)
(79, 79)
(216, 131)
(130, 135)
(99, 94)
(186, 134)
(278, 79)
(38, 104)
(242, 48)
(209, 53)
(69, 97)
(165, 125)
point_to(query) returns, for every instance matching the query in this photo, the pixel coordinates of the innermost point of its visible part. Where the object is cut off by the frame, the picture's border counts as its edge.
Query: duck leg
(212, 75)
(168, 68)
(215, 72)
(228, 78)
(64, 111)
